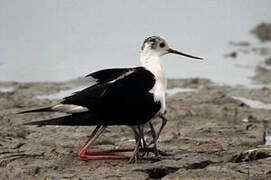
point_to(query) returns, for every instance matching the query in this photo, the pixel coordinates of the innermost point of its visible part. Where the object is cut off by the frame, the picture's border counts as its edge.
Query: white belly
(159, 92)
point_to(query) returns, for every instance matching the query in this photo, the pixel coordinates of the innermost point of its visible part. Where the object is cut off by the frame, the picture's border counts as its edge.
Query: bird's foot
(134, 158)
(85, 156)
(144, 150)
(157, 152)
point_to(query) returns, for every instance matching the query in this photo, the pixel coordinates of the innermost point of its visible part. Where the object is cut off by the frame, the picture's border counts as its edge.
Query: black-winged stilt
(124, 96)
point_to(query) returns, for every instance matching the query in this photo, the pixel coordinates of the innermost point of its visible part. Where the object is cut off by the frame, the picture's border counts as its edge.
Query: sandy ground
(208, 135)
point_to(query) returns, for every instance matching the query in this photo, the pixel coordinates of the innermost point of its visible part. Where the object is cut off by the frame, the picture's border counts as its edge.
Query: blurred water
(253, 103)
(61, 94)
(65, 93)
(6, 89)
(267, 133)
(61, 40)
(171, 92)
(268, 140)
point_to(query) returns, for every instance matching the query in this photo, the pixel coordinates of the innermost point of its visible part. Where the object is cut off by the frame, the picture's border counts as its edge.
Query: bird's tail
(47, 109)
(80, 119)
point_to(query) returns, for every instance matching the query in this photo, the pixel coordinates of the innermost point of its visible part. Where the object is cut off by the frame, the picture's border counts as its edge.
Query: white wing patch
(69, 108)
(92, 79)
(123, 76)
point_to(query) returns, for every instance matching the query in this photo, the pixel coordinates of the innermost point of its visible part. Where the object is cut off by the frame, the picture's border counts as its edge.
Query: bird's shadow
(175, 156)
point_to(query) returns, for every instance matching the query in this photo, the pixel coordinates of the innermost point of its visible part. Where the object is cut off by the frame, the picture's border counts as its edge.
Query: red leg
(97, 155)
(83, 154)
(134, 157)
(139, 136)
(164, 121)
(153, 133)
(108, 151)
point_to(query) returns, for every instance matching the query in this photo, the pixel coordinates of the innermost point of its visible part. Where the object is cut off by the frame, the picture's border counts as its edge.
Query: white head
(157, 46)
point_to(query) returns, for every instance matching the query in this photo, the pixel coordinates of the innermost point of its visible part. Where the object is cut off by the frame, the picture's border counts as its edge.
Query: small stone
(268, 61)
(263, 32)
(231, 55)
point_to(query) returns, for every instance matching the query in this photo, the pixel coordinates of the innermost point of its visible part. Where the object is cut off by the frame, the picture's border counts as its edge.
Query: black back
(120, 97)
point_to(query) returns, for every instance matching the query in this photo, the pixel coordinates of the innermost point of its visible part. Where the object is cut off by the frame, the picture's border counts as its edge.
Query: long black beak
(183, 54)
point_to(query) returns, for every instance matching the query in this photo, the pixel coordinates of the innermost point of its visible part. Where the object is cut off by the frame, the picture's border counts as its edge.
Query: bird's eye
(162, 45)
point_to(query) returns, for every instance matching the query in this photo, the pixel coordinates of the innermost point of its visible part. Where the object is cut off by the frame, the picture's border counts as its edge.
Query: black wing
(123, 84)
(108, 74)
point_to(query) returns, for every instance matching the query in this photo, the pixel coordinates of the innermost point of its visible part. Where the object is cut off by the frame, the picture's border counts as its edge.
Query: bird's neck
(152, 63)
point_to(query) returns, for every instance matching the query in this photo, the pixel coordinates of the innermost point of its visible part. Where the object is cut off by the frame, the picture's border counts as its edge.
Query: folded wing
(120, 97)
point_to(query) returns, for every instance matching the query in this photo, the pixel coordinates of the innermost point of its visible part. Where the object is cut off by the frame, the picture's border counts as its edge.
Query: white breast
(152, 63)
(159, 90)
